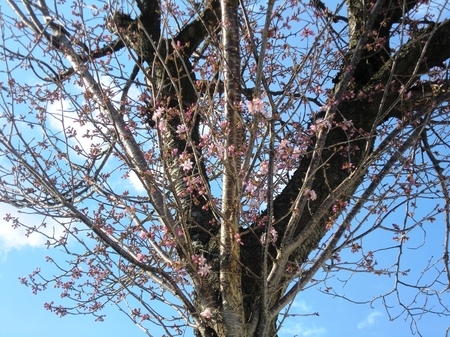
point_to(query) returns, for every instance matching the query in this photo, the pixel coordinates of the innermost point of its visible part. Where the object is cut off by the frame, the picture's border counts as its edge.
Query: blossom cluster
(203, 267)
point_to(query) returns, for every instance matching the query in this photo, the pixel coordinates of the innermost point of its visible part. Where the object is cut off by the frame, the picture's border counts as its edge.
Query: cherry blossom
(206, 314)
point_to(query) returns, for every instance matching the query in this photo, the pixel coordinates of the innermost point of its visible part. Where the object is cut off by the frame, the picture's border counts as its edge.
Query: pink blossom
(250, 187)
(273, 236)
(211, 148)
(347, 124)
(158, 113)
(264, 168)
(307, 32)
(181, 130)
(238, 239)
(203, 267)
(255, 106)
(224, 125)
(320, 124)
(284, 150)
(145, 317)
(198, 259)
(284, 144)
(206, 314)
(204, 270)
(408, 96)
(220, 150)
(185, 162)
(131, 209)
(312, 194)
(201, 260)
(177, 45)
(348, 166)
(162, 125)
(187, 165)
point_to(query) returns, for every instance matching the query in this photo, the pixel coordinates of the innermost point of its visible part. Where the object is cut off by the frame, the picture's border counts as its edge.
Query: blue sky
(23, 314)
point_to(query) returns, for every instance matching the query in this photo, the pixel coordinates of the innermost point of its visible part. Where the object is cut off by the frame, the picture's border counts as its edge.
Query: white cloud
(301, 326)
(370, 320)
(300, 330)
(64, 118)
(15, 238)
(300, 305)
(136, 182)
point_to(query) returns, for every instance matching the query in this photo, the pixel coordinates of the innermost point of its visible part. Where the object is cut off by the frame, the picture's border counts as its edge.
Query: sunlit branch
(327, 251)
(442, 181)
(301, 200)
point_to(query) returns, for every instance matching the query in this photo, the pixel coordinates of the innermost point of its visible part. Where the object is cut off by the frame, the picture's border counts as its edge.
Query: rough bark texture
(230, 267)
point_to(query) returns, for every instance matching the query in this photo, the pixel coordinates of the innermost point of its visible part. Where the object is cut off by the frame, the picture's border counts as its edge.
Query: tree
(253, 133)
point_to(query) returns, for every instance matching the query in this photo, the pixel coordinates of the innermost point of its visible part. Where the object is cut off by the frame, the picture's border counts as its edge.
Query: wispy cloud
(63, 118)
(370, 320)
(15, 238)
(302, 327)
(301, 305)
(302, 330)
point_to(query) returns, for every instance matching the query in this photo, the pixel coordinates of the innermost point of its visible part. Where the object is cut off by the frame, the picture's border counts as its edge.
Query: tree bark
(230, 267)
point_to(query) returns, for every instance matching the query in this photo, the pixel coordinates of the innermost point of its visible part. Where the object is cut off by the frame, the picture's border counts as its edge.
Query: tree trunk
(230, 267)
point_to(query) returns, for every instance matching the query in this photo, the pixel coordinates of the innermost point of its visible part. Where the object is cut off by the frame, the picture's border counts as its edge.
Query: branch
(442, 181)
(194, 33)
(327, 252)
(150, 18)
(417, 56)
(112, 47)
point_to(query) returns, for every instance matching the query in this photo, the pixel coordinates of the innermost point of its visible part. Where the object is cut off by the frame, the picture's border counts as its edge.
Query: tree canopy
(219, 157)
